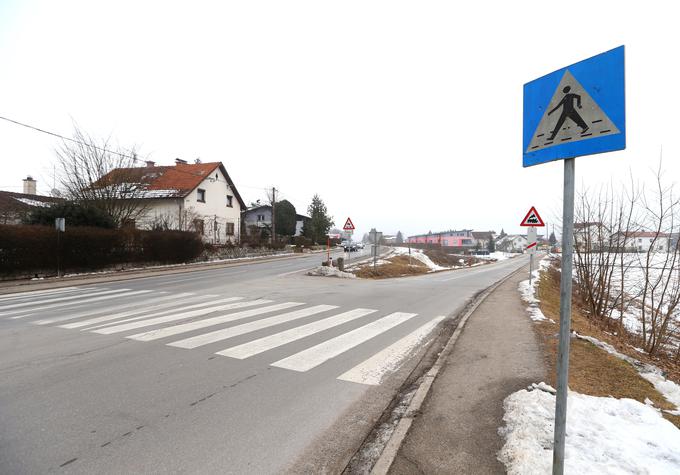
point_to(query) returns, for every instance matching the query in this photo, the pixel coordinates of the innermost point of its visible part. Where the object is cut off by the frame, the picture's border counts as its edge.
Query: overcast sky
(403, 115)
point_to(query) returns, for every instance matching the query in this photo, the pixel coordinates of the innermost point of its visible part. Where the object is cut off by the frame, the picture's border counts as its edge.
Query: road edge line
(389, 453)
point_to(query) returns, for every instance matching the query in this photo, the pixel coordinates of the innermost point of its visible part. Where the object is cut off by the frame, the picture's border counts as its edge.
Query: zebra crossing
(189, 320)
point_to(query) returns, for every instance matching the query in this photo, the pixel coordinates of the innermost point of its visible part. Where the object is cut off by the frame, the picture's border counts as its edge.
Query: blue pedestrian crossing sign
(577, 110)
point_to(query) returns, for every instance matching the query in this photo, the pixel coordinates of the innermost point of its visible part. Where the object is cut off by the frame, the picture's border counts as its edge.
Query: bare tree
(102, 175)
(603, 221)
(661, 288)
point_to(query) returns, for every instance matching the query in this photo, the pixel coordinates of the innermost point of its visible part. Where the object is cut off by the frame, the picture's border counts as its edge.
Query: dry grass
(398, 266)
(591, 370)
(441, 258)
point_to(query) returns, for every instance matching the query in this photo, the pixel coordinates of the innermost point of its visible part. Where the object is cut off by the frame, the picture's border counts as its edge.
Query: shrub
(29, 249)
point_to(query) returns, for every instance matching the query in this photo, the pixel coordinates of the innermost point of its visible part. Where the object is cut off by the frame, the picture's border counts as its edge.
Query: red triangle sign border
(532, 212)
(348, 225)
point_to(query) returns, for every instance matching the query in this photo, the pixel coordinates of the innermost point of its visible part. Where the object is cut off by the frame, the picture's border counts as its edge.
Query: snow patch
(667, 388)
(327, 271)
(528, 291)
(604, 435)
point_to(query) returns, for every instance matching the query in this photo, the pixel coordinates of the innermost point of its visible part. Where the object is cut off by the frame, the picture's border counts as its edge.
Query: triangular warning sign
(571, 116)
(349, 226)
(532, 219)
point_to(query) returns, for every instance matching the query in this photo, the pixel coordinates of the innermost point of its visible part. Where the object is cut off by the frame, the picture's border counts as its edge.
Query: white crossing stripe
(143, 304)
(237, 330)
(61, 299)
(37, 293)
(267, 343)
(314, 356)
(28, 313)
(205, 302)
(373, 370)
(187, 327)
(180, 316)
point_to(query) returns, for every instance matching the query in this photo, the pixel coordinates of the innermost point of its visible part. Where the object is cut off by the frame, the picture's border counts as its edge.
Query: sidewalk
(497, 354)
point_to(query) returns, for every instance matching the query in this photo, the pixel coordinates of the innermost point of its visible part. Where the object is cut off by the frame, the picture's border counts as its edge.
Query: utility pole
(273, 215)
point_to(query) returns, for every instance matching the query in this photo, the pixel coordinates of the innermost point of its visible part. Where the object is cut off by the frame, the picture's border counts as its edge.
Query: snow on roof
(31, 202)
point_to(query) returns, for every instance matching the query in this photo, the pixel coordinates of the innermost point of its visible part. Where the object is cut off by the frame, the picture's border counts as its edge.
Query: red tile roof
(169, 181)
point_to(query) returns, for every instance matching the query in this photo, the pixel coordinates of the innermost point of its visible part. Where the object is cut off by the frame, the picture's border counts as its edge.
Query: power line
(54, 134)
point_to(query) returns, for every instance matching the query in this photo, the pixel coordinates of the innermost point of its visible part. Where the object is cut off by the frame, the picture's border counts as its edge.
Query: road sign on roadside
(532, 218)
(577, 110)
(574, 111)
(349, 226)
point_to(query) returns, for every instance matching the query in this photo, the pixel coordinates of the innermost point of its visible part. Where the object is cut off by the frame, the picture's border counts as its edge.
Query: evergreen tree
(75, 215)
(320, 222)
(285, 218)
(552, 239)
(491, 245)
(400, 238)
(502, 234)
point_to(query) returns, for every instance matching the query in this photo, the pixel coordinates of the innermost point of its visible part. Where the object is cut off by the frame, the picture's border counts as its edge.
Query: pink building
(461, 238)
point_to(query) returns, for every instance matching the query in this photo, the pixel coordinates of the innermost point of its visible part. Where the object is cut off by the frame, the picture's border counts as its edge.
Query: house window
(200, 195)
(229, 201)
(467, 242)
(199, 226)
(260, 217)
(446, 242)
(230, 229)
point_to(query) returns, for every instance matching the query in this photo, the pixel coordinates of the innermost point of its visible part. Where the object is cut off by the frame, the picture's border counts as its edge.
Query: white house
(512, 243)
(643, 241)
(197, 197)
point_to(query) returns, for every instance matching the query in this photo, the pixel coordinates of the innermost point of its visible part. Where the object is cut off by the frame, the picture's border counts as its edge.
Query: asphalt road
(229, 370)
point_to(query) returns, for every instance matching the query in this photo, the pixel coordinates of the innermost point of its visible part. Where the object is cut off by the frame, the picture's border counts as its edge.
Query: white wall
(180, 212)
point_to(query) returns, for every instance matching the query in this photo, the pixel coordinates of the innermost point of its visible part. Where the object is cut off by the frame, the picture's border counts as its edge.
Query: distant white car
(360, 245)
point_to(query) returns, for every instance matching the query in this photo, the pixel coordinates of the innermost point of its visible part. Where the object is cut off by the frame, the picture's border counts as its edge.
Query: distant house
(451, 238)
(512, 243)
(482, 238)
(591, 235)
(14, 207)
(261, 217)
(643, 241)
(198, 197)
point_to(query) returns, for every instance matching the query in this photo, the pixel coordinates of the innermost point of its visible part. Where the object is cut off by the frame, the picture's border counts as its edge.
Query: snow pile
(419, 255)
(327, 271)
(604, 435)
(651, 373)
(528, 292)
(499, 255)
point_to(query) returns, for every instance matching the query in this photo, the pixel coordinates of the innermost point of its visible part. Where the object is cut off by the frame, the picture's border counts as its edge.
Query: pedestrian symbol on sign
(568, 111)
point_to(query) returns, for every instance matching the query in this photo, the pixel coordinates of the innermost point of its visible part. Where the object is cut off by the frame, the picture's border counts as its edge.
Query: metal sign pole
(565, 316)
(531, 266)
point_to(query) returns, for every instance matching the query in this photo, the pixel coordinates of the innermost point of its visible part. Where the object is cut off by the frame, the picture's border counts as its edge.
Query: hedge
(34, 249)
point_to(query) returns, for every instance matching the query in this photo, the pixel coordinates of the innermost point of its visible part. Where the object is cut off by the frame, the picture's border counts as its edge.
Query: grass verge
(395, 267)
(592, 371)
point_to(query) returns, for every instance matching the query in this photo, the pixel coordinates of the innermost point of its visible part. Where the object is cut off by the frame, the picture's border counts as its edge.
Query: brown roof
(649, 234)
(168, 181)
(21, 202)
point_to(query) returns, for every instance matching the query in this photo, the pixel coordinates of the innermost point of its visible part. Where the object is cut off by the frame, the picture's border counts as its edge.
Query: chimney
(150, 163)
(179, 161)
(29, 185)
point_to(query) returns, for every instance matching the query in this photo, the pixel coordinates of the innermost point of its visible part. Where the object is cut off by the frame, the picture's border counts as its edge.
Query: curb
(393, 445)
(17, 286)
